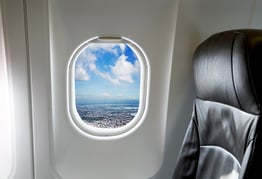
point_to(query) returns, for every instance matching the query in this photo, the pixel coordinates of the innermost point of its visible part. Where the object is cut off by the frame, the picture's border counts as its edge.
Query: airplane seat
(224, 136)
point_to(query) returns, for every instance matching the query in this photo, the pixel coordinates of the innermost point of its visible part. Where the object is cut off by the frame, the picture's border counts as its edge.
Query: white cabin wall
(26, 30)
(209, 17)
(256, 14)
(15, 43)
(196, 21)
(149, 23)
(6, 120)
(181, 92)
(39, 62)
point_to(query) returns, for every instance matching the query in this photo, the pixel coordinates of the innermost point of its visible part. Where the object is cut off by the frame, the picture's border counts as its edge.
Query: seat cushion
(217, 163)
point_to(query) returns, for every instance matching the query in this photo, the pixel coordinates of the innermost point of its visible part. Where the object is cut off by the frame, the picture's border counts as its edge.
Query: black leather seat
(224, 137)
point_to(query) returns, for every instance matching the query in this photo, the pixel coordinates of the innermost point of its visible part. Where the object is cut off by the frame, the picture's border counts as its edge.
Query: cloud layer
(108, 61)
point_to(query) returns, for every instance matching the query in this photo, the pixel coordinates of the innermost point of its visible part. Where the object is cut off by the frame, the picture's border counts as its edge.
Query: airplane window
(108, 85)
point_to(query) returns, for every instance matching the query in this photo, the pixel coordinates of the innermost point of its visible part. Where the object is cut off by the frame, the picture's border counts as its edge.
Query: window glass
(107, 85)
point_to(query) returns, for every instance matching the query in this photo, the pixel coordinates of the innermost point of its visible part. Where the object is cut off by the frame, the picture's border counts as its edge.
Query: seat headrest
(228, 69)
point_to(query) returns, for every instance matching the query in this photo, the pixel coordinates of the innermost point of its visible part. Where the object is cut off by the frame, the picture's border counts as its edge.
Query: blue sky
(107, 71)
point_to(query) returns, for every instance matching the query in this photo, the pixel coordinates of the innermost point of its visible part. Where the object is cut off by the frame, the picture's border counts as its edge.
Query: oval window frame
(108, 133)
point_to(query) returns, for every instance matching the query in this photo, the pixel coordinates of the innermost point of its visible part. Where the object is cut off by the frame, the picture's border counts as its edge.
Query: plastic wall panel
(150, 24)
(15, 43)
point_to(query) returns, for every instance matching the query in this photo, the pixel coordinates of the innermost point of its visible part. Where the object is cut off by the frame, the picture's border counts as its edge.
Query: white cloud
(108, 47)
(122, 47)
(105, 95)
(85, 61)
(124, 70)
(80, 73)
(136, 67)
(107, 76)
(91, 61)
(91, 58)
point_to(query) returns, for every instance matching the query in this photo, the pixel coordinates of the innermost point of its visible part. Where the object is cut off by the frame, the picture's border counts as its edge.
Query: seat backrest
(224, 137)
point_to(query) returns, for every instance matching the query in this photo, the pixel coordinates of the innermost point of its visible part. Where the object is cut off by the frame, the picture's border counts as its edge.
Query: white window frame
(109, 133)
